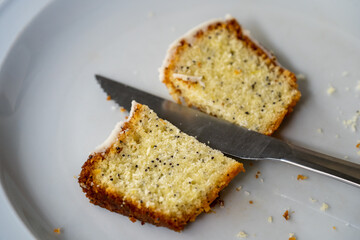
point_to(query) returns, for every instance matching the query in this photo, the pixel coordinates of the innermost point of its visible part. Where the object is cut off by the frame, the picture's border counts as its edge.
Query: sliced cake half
(217, 68)
(149, 170)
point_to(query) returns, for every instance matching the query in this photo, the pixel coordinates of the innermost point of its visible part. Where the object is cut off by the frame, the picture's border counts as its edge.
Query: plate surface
(53, 113)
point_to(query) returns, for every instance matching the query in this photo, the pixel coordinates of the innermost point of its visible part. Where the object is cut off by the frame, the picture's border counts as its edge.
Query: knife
(234, 141)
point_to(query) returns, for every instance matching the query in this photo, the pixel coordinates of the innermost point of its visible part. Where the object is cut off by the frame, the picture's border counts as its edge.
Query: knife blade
(233, 140)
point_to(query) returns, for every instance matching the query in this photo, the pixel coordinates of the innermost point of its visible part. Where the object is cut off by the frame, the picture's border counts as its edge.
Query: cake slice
(217, 68)
(149, 170)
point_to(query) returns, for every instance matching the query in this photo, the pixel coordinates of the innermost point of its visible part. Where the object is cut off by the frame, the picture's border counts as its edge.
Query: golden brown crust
(114, 202)
(234, 26)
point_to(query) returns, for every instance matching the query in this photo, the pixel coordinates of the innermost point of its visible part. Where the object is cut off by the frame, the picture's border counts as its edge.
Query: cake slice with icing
(219, 69)
(151, 171)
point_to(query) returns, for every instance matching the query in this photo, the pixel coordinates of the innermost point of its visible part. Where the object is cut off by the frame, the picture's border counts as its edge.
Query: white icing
(115, 132)
(228, 16)
(189, 78)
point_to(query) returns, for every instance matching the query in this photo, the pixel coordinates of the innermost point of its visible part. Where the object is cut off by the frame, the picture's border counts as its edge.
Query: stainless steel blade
(232, 140)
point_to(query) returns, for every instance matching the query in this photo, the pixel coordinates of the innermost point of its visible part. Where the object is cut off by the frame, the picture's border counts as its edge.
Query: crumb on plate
(301, 177)
(57, 230)
(242, 234)
(221, 203)
(331, 90)
(358, 86)
(320, 130)
(108, 98)
(324, 207)
(292, 236)
(352, 122)
(300, 76)
(286, 215)
(151, 14)
(270, 219)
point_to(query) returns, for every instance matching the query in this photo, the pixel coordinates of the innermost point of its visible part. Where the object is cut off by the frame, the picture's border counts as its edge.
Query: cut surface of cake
(151, 171)
(217, 68)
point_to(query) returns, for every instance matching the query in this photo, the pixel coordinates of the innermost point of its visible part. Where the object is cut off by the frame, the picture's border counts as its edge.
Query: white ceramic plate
(52, 114)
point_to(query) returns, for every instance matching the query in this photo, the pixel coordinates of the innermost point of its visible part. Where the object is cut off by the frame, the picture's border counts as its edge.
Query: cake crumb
(300, 76)
(270, 219)
(324, 207)
(221, 203)
(151, 14)
(238, 188)
(334, 228)
(108, 98)
(320, 130)
(122, 109)
(292, 236)
(358, 144)
(75, 176)
(57, 230)
(301, 177)
(345, 73)
(261, 180)
(247, 193)
(242, 234)
(286, 215)
(351, 123)
(331, 90)
(346, 157)
(358, 86)
(251, 202)
(337, 136)
(312, 200)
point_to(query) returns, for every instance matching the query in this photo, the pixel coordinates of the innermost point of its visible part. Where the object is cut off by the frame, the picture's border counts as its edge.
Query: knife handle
(333, 167)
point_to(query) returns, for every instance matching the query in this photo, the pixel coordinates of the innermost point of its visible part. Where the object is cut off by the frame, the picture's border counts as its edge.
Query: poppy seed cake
(149, 170)
(217, 68)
